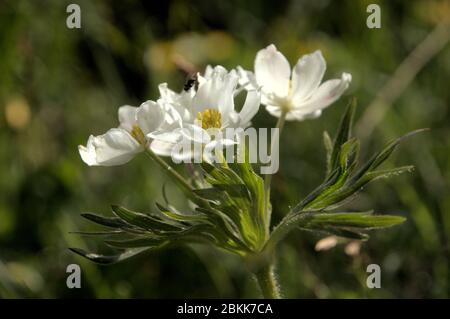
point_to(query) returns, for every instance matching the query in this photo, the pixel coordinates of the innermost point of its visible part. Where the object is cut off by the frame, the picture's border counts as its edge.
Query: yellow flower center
(210, 118)
(138, 135)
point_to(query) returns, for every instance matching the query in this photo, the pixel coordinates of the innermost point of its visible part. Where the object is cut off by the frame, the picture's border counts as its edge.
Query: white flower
(298, 93)
(205, 114)
(119, 145)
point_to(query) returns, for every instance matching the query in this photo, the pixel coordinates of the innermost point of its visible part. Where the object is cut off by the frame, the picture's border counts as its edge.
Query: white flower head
(119, 145)
(205, 113)
(299, 92)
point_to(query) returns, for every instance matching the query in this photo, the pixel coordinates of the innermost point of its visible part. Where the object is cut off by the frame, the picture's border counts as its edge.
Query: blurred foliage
(59, 85)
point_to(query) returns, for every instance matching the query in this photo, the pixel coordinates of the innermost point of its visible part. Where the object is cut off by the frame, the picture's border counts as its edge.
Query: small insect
(192, 81)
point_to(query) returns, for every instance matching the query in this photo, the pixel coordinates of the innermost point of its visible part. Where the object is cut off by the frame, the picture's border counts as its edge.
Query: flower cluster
(230, 203)
(190, 123)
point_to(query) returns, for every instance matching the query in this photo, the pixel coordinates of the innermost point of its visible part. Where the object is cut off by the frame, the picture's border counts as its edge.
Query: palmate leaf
(230, 206)
(255, 186)
(236, 192)
(195, 234)
(144, 221)
(144, 231)
(112, 222)
(198, 230)
(228, 213)
(345, 194)
(343, 180)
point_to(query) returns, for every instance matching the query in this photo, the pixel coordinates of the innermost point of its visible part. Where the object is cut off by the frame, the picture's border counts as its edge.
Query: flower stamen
(210, 118)
(138, 135)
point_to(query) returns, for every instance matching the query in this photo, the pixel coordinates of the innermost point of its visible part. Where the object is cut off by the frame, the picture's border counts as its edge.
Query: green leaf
(340, 185)
(108, 259)
(97, 233)
(138, 242)
(194, 234)
(382, 155)
(349, 155)
(343, 133)
(225, 224)
(113, 222)
(328, 148)
(356, 220)
(385, 173)
(334, 177)
(210, 194)
(181, 217)
(255, 186)
(346, 233)
(143, 221)
(337, 198)
(221, 174)
(340, 232)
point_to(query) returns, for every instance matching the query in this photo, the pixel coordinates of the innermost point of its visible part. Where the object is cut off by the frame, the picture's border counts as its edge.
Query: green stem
(185, 186)
(268, 177)
(171, 171)
(268, 282)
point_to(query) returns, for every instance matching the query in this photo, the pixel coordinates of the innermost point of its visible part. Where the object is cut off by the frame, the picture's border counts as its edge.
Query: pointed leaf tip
(108, 259)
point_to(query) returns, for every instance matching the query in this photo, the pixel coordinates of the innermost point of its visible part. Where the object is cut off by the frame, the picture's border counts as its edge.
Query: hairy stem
(268, 282)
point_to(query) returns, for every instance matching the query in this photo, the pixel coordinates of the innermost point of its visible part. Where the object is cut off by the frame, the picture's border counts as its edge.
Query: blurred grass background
(58, 85)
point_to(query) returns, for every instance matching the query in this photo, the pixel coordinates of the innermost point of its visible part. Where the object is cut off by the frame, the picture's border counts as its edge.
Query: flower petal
(294, 116)
(162, 148)
(115, 147)
(196, 134)
(247, 79)
(167, 95)
(327, 93)
(173, 136)
(186, 152)
(226, 98)
(272, 71)
(150, 116)
(274, 110)
(307, 75)
(216, 92)
(87, 152)
(250, 108)
(127, 117)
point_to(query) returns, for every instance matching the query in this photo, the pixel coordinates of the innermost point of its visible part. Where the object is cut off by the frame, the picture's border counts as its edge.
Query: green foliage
(343, 180)
(230, 211)
(228, 215)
